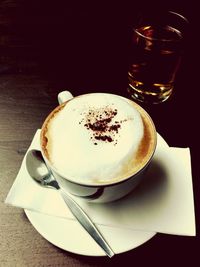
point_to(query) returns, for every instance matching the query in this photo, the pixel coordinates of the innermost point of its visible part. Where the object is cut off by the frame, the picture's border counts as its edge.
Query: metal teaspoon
(38, 170)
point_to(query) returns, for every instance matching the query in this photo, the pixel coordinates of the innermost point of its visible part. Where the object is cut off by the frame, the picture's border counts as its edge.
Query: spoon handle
(86, 222)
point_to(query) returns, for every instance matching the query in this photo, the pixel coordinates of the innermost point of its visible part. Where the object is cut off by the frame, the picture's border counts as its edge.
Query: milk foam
(93, 136)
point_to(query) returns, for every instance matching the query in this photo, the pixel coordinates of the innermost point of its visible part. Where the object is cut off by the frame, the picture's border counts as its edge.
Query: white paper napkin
(163, 202)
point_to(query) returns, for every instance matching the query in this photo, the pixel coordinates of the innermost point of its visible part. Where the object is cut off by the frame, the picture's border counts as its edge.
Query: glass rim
(184, 19)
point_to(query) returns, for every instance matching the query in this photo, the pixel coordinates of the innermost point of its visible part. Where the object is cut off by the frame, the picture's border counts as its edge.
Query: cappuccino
(98, 139)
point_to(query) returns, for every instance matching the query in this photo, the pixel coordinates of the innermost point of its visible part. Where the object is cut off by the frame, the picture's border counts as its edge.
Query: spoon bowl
(38, 170)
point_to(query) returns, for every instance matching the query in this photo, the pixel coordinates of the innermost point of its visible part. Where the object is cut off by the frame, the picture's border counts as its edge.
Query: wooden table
(36, 65)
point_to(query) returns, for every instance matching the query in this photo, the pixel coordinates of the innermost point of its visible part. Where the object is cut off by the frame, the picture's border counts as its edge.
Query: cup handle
(64, 96)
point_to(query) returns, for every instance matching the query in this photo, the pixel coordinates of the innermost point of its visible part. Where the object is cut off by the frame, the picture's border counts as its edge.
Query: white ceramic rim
(122, 179)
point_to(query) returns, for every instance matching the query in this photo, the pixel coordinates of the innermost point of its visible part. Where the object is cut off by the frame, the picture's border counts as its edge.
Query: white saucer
(70, 236)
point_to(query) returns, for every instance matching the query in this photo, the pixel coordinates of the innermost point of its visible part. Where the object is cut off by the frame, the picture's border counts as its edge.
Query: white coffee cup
(98, 145)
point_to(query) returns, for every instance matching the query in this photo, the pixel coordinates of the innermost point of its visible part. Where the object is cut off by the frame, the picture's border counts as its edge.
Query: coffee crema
(98, 138)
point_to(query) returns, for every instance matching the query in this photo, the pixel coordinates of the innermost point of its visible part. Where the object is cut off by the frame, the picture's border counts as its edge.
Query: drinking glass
(157, 45)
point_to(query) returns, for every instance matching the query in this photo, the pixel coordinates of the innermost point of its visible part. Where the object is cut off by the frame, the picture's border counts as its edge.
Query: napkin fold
(163, 202)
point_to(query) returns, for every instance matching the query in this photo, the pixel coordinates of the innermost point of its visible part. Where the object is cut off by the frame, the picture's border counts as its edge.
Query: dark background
(83, 46)
(82, 43)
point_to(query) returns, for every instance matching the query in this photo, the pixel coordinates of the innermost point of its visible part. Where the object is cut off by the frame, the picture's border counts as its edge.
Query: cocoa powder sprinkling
(102, 125)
